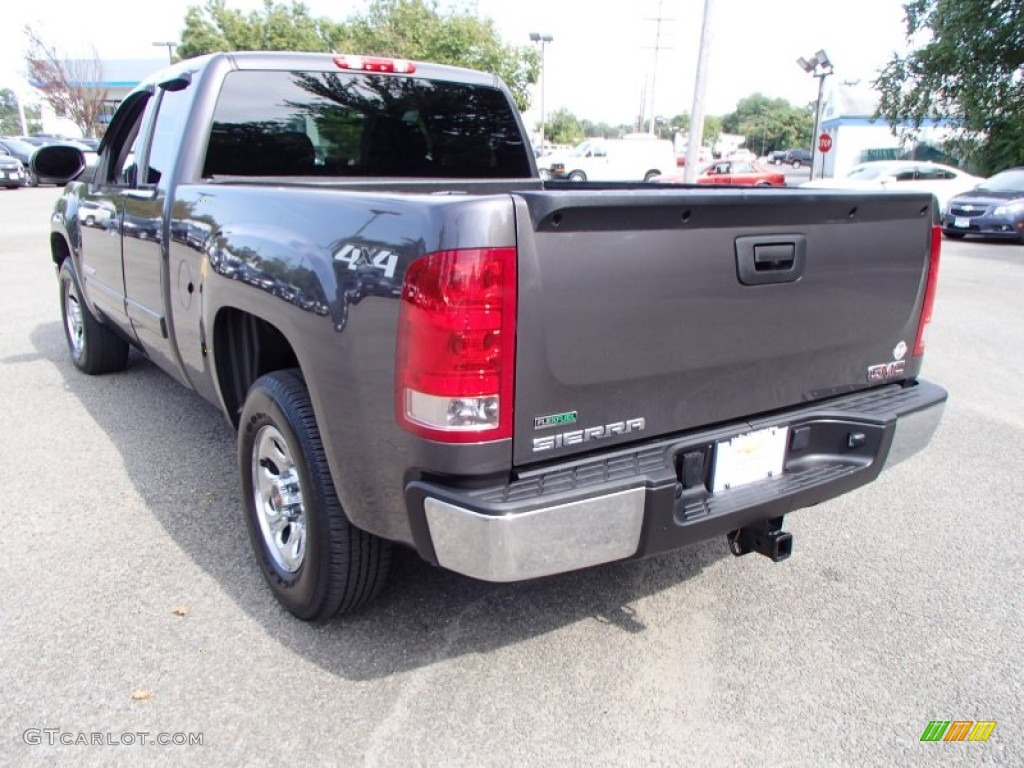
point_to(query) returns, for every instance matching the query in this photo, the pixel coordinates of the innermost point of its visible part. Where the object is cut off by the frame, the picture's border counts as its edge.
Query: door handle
(763, 259)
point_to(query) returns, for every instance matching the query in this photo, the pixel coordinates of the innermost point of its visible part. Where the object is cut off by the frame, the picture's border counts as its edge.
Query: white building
(847, 116)
(117, 77)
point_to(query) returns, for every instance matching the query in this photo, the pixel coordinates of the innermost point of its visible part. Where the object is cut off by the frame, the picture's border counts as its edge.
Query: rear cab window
(361, 125)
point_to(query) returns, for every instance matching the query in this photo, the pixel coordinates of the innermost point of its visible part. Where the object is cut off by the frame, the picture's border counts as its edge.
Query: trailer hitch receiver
(766, 538)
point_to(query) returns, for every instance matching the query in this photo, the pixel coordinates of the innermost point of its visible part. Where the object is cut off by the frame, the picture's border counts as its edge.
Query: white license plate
(748, 458)
(962, 222)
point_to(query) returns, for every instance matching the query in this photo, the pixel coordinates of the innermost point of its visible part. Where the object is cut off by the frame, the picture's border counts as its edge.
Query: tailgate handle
(762, 259)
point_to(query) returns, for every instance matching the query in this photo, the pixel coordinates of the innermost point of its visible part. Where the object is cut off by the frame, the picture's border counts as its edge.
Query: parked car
(943, 181)
(24, 152)
(732, 172)
(995, 208)
(515, 378)
(796, 157)
(12, 172)
(777, 157)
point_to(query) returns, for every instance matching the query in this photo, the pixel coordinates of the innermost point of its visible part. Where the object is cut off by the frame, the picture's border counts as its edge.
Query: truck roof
(323, 62)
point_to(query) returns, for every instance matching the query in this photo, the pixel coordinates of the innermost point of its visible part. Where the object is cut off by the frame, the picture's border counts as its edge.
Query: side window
(925, 173)
(172, 113)
(118, 166)
(908, 174)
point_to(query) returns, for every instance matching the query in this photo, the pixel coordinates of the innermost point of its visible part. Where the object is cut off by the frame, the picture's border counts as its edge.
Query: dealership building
(115, 77)
(847, 116)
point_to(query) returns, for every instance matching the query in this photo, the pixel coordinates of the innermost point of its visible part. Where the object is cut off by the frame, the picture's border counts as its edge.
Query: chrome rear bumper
(632, 503)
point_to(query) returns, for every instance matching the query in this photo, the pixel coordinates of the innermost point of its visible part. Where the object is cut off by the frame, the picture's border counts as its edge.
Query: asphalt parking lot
(902, 604)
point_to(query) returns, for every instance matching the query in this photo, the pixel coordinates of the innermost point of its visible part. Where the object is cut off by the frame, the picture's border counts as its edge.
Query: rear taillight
(454, 372)
(929, 291)
(375, 64)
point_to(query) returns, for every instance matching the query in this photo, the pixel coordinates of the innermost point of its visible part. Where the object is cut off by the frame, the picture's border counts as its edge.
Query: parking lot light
(543, 39)
(818, 66)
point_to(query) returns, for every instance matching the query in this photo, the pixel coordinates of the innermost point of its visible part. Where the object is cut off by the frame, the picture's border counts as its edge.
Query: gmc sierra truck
(421, 342)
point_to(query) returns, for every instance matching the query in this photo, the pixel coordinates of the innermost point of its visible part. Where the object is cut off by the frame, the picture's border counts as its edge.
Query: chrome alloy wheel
(278, 498)
(74, 321)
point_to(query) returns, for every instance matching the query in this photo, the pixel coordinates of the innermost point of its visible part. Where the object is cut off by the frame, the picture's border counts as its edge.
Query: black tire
(341, 568)
(577, 176)
(94, 348)
(797, 163)
(953, 235)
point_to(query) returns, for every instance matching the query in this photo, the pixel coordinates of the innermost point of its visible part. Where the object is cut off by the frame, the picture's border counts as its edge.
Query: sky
(597, 65)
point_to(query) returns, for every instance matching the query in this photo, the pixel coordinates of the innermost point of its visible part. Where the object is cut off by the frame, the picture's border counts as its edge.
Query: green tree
(712, 127)
(562, 127)
(769, 124)
(418, 29)
(969, 71)
(599, 130)
(278, 27)
(10, 122)
(409, 29)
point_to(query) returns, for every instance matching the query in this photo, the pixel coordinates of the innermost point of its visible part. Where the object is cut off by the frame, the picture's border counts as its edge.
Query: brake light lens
(455, 367)
(929, 291)
(375, 64)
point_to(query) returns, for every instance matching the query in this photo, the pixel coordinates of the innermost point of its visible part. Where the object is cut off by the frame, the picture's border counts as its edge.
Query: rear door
(146, 237)
(685, 308)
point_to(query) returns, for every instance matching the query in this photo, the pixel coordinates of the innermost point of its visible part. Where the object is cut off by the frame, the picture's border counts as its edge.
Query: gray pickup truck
(421, 342)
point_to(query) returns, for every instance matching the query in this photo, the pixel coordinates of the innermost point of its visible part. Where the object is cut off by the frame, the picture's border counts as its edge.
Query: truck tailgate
(647, 312)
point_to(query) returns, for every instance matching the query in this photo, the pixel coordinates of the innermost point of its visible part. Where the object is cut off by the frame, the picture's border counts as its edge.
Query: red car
(735, 172)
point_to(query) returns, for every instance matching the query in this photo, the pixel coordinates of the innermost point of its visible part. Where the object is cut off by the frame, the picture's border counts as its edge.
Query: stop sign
(824, 143)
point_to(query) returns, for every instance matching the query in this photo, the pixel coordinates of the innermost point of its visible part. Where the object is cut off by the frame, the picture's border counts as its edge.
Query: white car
(943, 181)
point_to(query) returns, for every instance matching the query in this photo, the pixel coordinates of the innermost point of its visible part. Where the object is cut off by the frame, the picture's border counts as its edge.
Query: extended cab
(421, 342)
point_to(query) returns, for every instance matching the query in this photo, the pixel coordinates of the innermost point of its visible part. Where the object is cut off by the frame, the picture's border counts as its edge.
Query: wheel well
(59, 249)
(247, 347)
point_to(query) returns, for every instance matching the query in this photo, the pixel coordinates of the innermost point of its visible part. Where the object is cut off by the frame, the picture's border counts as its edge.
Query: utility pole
(657, 47)
(542, 38)
(699, 87)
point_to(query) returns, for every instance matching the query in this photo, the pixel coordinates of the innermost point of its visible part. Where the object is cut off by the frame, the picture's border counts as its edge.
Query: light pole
(820, 67)
(543, 39)
(170, 45)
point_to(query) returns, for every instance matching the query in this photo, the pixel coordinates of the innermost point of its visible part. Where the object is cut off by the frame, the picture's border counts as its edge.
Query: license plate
(748, 458)
(962, 222)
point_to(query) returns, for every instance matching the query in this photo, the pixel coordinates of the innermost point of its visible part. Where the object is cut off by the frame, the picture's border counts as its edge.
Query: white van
(631, 159)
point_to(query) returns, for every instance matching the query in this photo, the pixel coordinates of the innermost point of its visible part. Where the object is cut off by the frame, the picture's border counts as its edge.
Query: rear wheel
(315, 561)
(94, 348)
(577, 176)
(797, 163)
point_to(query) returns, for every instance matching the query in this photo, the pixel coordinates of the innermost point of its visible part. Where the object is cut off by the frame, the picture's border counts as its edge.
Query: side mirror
(58, 164)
